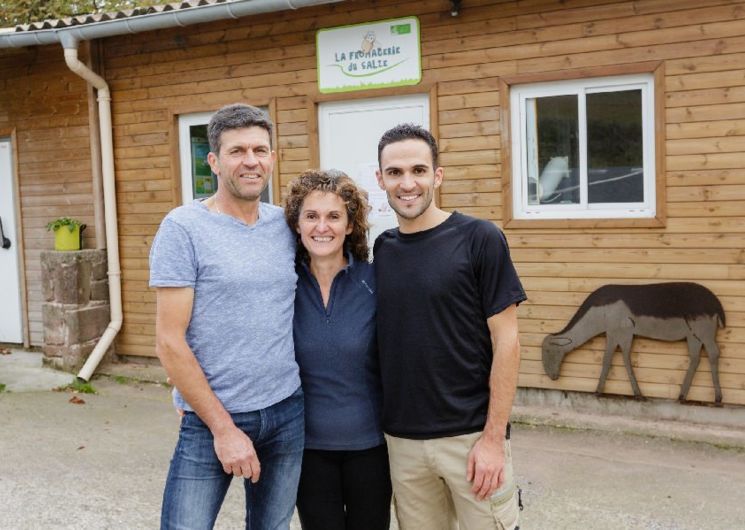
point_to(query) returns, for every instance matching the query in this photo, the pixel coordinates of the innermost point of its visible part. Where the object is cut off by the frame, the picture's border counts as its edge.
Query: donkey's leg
(694, 357)
(712, 350)
(625, 344)
(610, 348)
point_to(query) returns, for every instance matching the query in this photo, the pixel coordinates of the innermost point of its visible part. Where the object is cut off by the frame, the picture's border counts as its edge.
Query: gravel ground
(102, 464)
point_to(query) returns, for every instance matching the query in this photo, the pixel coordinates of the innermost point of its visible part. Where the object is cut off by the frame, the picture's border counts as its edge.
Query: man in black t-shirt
(449, 349)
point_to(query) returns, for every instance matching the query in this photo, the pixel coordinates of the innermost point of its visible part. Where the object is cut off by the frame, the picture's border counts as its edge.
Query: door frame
(185, 121)
(315, 99)
(10, 133)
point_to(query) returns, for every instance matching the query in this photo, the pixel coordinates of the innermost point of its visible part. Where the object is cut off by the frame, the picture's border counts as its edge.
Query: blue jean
(197, 484)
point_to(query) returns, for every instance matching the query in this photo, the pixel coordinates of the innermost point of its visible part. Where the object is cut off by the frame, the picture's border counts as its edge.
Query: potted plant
(67, 233)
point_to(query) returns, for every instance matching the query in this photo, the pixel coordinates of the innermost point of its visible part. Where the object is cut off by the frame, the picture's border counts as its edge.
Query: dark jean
(345, 490)
(197, 484)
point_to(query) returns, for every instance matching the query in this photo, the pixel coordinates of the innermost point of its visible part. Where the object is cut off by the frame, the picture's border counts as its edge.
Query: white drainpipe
(109, 199)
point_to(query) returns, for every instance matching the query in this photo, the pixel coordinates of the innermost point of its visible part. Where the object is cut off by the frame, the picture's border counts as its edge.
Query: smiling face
(244, 164)
(323, 224)
(409, 179)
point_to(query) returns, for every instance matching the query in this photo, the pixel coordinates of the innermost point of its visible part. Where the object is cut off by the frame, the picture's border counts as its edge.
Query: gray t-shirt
(244, 289)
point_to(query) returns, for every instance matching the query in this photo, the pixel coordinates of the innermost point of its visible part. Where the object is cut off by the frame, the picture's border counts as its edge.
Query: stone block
(62, 278)
(72, 358)
(100, 291)
(69, 324)
(68, 358)
(51, 351)
(47, 277)
(55, 326)
(99, 266)
(67, 276)
(73, 283)
(86, 323)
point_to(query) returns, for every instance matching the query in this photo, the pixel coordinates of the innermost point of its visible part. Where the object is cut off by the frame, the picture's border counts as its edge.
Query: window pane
(204, 182)
(614, 147)
(553, 150)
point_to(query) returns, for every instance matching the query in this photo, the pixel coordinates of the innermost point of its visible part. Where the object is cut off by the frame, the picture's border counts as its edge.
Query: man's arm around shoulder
(486, 459)
(233, 447)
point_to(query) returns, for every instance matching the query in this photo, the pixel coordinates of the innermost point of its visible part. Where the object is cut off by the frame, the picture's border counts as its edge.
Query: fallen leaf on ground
(5, 351)
(76, 400)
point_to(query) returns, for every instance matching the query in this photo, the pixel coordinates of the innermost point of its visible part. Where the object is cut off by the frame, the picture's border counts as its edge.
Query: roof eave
(69, 36)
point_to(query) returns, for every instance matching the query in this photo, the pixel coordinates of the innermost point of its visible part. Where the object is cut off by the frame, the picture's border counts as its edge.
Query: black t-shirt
(436, 288)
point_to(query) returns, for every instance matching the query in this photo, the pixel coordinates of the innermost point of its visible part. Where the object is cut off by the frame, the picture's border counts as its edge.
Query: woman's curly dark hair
(337, 182)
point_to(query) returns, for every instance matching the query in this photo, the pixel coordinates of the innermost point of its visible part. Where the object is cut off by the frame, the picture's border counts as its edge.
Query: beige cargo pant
(430, 489)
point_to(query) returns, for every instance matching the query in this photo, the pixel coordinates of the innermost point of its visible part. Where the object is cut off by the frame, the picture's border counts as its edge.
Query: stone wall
(75, 310)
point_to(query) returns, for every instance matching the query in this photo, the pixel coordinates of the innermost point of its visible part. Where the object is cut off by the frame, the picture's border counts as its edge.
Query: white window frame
(185, 121)
(519, 94)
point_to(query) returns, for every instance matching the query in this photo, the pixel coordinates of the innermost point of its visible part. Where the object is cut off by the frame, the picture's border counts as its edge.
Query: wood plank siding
(271, 60)
(46, 106)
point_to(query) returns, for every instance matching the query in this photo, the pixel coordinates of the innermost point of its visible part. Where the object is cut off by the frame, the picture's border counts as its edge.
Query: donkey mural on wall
(663, 311)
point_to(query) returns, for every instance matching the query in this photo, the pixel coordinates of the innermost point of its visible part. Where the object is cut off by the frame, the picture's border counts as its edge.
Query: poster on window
(380, 215)
(380, 210)
(202, 177)
(370, 55)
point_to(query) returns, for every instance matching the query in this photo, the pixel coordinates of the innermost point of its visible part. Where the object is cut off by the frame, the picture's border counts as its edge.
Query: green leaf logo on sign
(401, 29)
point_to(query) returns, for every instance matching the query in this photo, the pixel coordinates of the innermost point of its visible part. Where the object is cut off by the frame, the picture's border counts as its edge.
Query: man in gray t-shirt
(225, 279)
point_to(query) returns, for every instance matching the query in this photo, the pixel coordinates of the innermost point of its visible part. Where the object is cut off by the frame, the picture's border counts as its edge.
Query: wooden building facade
(44, 113)
(691, 51)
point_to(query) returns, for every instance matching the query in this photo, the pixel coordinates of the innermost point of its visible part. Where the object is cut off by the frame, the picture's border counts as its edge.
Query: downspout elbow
(109, 191)
(81, 70)
(102, 346)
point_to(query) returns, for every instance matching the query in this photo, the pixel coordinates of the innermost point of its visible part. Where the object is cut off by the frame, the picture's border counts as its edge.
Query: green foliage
(2, 388)
(16, 12)
(79, 386)
(69, 222)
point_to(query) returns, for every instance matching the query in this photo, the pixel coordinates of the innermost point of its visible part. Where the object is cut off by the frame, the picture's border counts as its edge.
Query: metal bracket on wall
(5, 240)
(455, 8)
